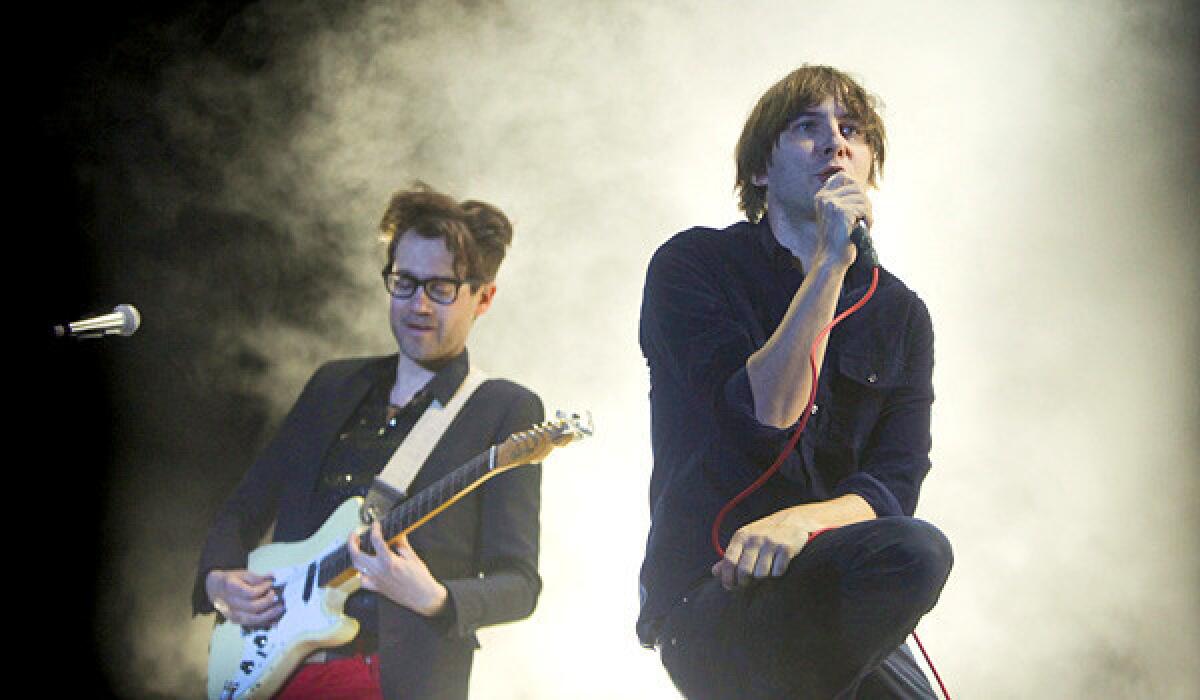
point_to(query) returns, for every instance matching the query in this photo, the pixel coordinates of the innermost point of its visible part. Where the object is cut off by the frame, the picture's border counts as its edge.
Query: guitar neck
(410, 514)
(525, 447)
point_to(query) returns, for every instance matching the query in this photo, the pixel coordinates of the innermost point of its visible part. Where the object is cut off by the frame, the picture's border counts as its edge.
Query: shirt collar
(779, 257)
(448, 378)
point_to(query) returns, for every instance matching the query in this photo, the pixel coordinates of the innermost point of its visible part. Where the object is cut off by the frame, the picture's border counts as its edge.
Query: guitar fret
(409, 512)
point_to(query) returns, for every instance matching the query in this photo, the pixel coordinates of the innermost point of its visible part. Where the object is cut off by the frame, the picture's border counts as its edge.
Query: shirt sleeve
(696, 332)
(507, 585)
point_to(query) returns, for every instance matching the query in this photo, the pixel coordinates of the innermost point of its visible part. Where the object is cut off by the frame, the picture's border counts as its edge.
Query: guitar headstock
(534, 444)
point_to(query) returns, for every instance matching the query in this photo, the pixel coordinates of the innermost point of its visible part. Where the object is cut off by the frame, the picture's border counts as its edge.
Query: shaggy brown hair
(477, 234)
(801, 89)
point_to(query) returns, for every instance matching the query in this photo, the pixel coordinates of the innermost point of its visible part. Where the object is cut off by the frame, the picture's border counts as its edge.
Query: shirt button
(872, 377)
(814, 409)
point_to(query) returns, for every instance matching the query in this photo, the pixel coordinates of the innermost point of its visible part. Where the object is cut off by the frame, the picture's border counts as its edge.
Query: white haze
(1036, 196)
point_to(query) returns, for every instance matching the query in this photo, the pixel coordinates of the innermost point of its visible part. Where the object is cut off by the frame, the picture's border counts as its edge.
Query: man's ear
(487, 293)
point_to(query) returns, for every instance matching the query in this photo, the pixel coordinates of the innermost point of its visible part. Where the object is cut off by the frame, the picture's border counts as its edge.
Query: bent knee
(925, 555)
(912, 553)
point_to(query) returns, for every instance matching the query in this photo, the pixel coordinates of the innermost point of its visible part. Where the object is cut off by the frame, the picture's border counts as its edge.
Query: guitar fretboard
(409, 513)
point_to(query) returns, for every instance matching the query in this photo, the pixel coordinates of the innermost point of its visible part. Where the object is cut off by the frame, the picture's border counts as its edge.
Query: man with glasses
(474, 564)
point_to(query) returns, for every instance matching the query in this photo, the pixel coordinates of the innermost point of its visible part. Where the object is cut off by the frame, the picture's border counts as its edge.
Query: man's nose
(420, 300)
(836, 144)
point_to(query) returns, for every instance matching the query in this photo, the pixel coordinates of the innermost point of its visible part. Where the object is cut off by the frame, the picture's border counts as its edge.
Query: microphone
(861, 238)
(123, 320)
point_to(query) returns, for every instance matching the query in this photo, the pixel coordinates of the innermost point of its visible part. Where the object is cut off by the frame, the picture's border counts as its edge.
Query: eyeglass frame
(423, 283)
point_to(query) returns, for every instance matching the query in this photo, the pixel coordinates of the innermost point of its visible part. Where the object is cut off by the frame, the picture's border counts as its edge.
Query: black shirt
(711, 299)
(369, 438)
(363, 448)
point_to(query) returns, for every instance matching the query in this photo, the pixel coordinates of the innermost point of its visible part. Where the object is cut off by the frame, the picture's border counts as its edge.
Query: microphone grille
(132, 318)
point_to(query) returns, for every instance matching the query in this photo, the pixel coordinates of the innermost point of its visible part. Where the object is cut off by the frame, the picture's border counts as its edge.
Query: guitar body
(248, 663)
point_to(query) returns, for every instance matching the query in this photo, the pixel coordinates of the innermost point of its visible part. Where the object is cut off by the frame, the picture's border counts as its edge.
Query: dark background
(83, 102)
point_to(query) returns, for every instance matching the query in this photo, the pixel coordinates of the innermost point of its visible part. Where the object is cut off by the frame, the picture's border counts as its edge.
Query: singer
(825, 570)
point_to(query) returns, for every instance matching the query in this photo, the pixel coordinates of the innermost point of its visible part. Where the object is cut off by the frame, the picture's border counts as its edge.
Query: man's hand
(399, 574)
(763, 548)
(244, 597)
(839, 204)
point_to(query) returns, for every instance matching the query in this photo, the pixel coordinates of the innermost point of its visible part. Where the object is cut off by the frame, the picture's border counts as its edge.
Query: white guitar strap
(392, 483)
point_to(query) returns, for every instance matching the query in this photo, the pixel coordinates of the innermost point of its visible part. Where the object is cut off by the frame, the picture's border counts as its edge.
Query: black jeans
(832, 626)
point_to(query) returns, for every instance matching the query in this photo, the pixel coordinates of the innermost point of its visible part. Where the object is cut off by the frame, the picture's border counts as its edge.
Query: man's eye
(441, 287)
(850, 130)
(405, 283)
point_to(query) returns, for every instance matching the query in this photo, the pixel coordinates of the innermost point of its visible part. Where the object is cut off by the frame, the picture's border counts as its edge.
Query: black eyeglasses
(443, 290)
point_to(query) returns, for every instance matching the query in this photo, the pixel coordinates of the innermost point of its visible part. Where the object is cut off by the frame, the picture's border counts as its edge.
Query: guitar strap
(393, 482)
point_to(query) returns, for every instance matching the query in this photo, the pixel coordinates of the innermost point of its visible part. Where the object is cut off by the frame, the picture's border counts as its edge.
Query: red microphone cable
(791, 446)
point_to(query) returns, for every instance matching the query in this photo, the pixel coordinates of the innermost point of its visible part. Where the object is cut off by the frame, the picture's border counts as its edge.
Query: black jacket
(483, 548)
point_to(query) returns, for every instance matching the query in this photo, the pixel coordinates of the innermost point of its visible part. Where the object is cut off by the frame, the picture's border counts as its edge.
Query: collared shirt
(370, 437)
(712, 298)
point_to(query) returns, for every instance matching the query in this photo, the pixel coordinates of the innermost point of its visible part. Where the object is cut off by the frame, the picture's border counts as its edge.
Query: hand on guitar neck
(244, 597)
(397, 573)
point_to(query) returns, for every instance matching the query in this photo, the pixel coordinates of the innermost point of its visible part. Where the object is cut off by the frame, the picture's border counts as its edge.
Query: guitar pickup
(309, 581)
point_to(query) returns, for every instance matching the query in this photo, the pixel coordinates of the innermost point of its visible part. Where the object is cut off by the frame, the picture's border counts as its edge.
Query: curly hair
(801, 89)
(477, 234)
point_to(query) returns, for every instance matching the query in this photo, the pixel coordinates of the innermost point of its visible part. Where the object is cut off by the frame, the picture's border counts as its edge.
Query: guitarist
(475, 564)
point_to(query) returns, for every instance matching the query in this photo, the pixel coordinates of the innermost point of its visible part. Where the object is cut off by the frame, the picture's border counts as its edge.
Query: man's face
(427, 332)
(820, 141)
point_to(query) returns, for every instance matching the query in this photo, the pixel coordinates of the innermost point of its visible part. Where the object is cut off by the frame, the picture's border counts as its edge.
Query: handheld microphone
(123, 320)
(861, 238)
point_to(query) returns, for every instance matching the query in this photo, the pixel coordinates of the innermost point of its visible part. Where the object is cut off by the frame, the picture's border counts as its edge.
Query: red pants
(352, 678)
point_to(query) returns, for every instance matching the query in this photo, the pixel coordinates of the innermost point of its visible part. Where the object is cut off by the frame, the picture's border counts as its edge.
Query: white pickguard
(254, 663)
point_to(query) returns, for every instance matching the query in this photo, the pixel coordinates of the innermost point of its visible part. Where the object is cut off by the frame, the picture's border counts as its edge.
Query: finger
(401, 547)
(377, 540)
(747, 561)
(734, 551)
(723, 570)
(261, 589)
(240, 594)
(726, 569)
(359, 559)
(368, 582)
(383, 551)
(357, 554)
(782, 559)
(261, 619)
(843, 181)
(260, 604)
(765, 562)
(251, 578)
(252, 612)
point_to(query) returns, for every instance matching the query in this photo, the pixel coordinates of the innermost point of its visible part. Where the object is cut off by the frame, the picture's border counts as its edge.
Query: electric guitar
(315, 577)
